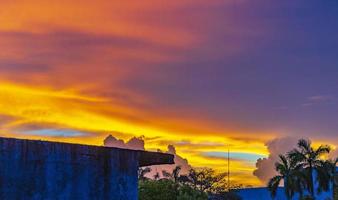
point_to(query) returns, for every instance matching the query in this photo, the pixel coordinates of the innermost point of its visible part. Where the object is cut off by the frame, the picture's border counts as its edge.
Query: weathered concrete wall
(48, 170)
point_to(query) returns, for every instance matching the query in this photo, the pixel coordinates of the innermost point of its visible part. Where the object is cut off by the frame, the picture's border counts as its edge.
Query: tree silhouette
(309, 159)
(327, 175)
(290, 173)
(142, 172)
(174, 175)
(157, 176)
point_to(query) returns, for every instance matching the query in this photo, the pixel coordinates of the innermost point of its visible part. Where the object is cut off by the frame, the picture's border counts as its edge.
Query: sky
(201, 75)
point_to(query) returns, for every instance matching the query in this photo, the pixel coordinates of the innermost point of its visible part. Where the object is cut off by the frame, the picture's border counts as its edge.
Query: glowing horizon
(200, 75)
(37, 112)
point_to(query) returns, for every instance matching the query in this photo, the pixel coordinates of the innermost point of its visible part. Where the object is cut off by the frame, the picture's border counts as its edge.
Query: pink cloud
(179, 161)
(137, 143)
(134, 143)
(334, 154)
(266, 166)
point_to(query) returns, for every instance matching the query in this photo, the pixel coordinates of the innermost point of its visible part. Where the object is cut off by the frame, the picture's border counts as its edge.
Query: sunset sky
(202, 75)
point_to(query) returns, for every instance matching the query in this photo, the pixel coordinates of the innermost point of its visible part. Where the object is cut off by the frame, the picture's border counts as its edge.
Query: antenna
(228, 169)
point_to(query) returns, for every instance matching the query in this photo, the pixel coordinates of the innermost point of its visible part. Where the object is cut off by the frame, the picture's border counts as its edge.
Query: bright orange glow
(104, 17)
(66, 109)
(130, 68)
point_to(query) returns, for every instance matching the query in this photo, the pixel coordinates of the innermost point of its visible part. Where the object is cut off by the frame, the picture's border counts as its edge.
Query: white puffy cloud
(134, 143)
(179, 161)
(266, 166)
(137, 143)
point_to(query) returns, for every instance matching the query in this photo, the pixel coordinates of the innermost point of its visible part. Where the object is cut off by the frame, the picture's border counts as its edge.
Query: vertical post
(228, 169)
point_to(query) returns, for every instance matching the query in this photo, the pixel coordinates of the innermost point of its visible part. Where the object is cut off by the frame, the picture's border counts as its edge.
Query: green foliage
(163, 189)
(188, 193)
(166, 189)
(225, 196)
(207, 180)
(199, 184)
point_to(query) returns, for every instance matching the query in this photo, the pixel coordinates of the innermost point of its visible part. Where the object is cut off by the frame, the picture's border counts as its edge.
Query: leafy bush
(166, 189)
(157, 190)
(186, 192)
(201, 184)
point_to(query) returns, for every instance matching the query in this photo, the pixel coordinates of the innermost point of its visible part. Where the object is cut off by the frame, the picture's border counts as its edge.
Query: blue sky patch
(55, 133)
(251, 157)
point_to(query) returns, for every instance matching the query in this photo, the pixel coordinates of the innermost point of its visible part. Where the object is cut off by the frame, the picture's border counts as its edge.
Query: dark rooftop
(146, 158)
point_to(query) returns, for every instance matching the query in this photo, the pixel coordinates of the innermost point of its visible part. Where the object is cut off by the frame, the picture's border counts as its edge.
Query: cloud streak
(193, 73)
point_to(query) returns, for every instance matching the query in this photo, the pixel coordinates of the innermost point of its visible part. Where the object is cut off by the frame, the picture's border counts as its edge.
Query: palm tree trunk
(333, 188)
(311, 182)
(287, 189)
(301, 193)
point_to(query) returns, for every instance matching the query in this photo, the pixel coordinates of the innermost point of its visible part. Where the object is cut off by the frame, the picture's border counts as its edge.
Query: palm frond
(281, 168)
(176, 172)
(166, 174)
(283, 159)
(296, 156)
(304, 145)
(273, 185)
(323, 178)
(322, 149)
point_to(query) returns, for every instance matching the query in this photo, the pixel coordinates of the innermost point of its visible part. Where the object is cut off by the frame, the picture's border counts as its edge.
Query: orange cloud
(30, 108)
(128, 19)
(120, 67)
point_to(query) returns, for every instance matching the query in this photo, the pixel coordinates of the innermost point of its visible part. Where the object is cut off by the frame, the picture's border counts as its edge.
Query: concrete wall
(47, 170)
(264, 194)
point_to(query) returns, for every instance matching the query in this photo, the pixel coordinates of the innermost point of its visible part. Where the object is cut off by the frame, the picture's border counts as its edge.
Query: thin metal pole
(228, 169)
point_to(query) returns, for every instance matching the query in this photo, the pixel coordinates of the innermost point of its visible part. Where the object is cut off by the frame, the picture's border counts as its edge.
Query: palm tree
(289, 172)
(157, 176)
(309, 159)
(166, 174)
(142, 172)
(175, 175)
(327, 175)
